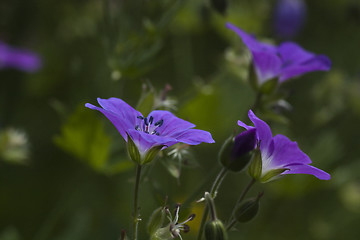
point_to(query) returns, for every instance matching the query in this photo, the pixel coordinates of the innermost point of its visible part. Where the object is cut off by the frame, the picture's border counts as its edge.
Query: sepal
(133, 150)
(272, 174)
(255, 167)
(151, 154)
(156, 220)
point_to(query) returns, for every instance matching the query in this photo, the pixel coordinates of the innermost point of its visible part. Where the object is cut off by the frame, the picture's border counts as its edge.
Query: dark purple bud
(289, 17)
(244, 143)
(235, 152)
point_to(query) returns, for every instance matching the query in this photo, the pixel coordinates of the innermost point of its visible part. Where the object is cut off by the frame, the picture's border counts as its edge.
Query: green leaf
(84, 137)
(146, 103)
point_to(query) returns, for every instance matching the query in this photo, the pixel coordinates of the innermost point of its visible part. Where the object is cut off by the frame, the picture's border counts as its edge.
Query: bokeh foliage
(77, 180)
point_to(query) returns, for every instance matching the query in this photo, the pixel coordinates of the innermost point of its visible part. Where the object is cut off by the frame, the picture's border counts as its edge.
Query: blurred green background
(67, 175)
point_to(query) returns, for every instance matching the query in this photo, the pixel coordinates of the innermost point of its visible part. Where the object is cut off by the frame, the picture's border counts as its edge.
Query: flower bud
(235, 152)
(248, 209)
(214, 230)
(156, 220)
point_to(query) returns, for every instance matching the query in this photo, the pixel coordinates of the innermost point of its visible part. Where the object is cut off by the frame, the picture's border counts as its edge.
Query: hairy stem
(215, 187)
(232, 221)
(136, 199)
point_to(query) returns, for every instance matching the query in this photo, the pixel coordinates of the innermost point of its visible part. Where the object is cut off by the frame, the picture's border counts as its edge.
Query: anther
(137, 127)
(146, 121)
(159, 123)
(151, 119)
(140, 117)
(186, 228)
(191, 217)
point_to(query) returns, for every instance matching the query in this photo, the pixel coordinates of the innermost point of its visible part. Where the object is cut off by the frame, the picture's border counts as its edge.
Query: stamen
(159, 123)
(151, 119)
(146, 121)
(186, 228)
(137, 127)
(140, 117)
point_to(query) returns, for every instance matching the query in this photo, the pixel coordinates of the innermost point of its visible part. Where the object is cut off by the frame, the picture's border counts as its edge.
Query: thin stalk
(257, 103)
(215, 187)
(232, 221)
(136, 199)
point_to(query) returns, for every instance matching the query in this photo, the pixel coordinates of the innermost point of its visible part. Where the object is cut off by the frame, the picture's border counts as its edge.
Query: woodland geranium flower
(279, 155)
(159, 129)
(288, 60)
(23, 60)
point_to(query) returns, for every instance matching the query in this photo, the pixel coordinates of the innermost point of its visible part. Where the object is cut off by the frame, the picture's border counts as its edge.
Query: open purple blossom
(280, 153)
(288, 60)
(289, 17)
(159, 128)
(20, 59)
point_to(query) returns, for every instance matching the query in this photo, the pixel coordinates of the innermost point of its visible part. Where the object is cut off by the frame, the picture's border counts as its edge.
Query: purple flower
(159, 128)
(23, 60)
(288, 60)
(289, 17)
(279, 155)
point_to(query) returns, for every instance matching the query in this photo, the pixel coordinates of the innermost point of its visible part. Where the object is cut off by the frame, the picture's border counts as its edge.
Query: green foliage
(83, 136)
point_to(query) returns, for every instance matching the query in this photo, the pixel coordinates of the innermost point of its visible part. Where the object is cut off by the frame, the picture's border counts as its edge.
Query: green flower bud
(248, 209)
(214, 230)
(156, 220)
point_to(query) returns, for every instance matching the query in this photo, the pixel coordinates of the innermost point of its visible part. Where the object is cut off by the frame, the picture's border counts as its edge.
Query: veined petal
(250, 41)
(145, 141)
(307, 169)
(267, 65)
(242, 124)
(194, 137)
(263, 132)
(317, 63)
(122, 109)
(287, 152)
(117, 120)
(172, 125)
(291, 53)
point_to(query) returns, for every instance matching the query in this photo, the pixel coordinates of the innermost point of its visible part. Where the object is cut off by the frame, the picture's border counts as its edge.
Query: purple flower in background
(289, 17)
(288, 60)
(279, 155)
(23, 60)
(159, 128)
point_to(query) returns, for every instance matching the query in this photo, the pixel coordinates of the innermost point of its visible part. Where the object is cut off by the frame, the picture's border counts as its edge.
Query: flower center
(146, 125)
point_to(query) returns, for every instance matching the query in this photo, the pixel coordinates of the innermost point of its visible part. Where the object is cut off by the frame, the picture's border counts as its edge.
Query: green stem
(136, 199)
(257, 103)
(215, 187)
(232, 221)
